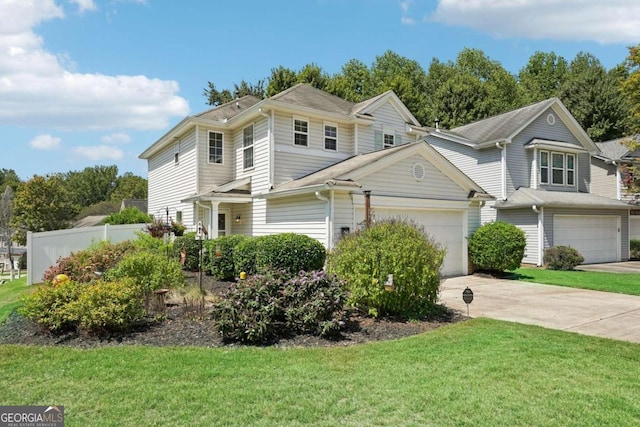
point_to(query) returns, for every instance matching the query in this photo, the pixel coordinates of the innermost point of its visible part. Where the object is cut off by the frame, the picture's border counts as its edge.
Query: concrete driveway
(601, 314)
(613, 267)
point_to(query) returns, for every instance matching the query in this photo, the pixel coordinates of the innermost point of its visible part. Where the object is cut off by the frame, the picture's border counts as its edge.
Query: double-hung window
(216, 142)
(571, 169)
(388, 140)
(557, 168)
(247, 147)
(330, 137)
(300, 132)
(544, 167)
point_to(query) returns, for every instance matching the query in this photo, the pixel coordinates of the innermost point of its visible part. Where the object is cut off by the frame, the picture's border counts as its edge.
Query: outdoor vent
(551, 119)
(418, 171)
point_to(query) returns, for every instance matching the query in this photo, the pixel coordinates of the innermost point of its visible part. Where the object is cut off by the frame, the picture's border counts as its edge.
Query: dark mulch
(184, 325)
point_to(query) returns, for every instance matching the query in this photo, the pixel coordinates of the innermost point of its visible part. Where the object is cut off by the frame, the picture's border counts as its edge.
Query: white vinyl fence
(44, 249)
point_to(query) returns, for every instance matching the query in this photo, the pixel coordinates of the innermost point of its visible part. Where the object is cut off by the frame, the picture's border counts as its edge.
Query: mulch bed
(184, 325)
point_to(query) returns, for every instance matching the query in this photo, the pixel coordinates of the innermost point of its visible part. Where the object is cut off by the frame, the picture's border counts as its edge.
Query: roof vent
(551, 119)
(418, 171)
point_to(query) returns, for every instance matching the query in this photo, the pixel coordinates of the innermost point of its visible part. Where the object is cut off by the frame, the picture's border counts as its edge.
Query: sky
(96, 82)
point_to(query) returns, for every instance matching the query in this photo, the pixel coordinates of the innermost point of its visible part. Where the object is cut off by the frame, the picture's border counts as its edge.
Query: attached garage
(596, 237)
(447, 227)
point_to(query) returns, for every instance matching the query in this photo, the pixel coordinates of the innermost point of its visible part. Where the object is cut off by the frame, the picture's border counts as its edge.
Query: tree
(41, 204)
(92, 185)
(6, 213)
(281, 79)
(630, 87)
(215, 97)
(10, 178)
(353, 83)
(542, 77)
(129, 186)
(593, 97)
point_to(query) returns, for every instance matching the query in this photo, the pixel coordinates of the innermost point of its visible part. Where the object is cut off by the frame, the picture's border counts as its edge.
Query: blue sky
(95, 82)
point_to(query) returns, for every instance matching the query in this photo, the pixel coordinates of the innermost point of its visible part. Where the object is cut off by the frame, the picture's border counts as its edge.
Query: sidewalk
(601, 314)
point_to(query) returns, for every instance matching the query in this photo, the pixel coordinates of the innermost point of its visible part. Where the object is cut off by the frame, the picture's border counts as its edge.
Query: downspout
(271, 147)
(540, 250)
(503, 170)
(329, 217)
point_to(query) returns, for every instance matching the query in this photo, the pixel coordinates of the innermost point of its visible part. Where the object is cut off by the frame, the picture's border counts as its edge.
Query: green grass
(599, 281)
(10, 294)
(476, 373)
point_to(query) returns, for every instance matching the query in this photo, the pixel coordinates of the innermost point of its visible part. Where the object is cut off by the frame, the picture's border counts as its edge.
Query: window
(544, 167)
(215, 147)
(179, 217)
(557, 168)
(176, 153)
(571, 170)
(388, 140)
(247, 147)
(300, 132)
(330, 137)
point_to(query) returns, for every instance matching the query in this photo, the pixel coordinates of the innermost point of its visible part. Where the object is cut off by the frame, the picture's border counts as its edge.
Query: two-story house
(309, 162)
(616, 162)
(536, 162)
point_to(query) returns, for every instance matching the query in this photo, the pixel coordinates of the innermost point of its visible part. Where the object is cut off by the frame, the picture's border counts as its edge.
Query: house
(309, 162)
(536, 162)
(610, 168)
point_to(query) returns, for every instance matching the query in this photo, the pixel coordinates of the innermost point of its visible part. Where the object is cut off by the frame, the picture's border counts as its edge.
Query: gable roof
(345, 174)
(617, 150)
(304, 95)
(525, 197)
(504, 127)
(229, 110)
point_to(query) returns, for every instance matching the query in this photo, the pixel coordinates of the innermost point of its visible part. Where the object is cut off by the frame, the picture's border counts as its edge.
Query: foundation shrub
(497, 246)
(149, 271)
(290, 252)
(244, 255)
(48, 306)
(273, 305)
(366, 258)
(221, 264)
(192, 247)
(635, 249)
(562, 258)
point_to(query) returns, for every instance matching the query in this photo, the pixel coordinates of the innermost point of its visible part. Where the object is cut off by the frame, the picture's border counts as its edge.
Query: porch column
(213, 226)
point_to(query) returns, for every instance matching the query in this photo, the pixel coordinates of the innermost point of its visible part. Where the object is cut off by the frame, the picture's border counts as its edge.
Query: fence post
(29, 258)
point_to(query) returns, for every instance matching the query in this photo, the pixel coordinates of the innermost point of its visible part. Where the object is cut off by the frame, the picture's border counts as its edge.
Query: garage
(447, 227)
(596, 237)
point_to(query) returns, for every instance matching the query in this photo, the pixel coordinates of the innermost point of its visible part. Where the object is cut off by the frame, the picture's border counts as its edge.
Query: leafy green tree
(312, 74)
(353, 83)
(91, 185)
(281, 79)
(41, 204)
(630, 88)
(10, 178)
(129, 216)
(129, 186)
(6, 213)
(542, 77)
(593, 96)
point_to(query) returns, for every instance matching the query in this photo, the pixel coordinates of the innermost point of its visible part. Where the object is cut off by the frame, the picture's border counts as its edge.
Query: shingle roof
(230, 109)
(616, 149)
(504, 125)
(527, 197)
(305, 95)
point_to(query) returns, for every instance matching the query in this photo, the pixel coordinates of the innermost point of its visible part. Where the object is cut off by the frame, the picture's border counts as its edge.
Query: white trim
(252, 146)
(295, 132)
(404, 202)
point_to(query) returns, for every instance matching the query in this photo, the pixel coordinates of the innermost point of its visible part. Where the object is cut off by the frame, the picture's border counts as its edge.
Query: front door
(223, 222)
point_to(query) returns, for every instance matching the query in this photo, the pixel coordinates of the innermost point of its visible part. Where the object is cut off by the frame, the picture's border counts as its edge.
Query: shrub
(149, 271)
(266, 307)
(244, 255)
(81, 266)
(157, 228)
(105, 307)
(365, 259)
(635, 249)
(562, 258)
(290, 252)
(497, 246)
(128, 216)
(222, 265)
(192, 247)
(48, 306)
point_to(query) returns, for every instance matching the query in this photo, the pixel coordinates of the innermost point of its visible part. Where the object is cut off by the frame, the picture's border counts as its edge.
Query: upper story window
(301, 132)
(216, 140)
(389, 140)
(176, 153)
(557, 168)
(247, 147)
(330, 137)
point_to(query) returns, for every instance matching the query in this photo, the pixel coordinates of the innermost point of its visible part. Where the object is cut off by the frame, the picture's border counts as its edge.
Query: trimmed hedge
(221, 264)
(562, 258)
(497, 246)
(635, 249)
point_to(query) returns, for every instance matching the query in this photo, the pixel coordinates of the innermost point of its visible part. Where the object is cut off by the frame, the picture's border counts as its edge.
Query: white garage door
(596, 237)
(445, 226)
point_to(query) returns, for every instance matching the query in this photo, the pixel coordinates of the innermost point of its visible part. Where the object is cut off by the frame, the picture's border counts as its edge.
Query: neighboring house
(610, 168)
(536, 162)
(308, 162)
(140, 204)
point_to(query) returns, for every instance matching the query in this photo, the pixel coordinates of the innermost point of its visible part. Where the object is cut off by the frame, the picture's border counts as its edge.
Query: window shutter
(398, 139)
(378, 139)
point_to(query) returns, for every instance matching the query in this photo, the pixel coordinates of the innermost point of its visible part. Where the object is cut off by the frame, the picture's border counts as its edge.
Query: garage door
(596, 237)
(445, 226)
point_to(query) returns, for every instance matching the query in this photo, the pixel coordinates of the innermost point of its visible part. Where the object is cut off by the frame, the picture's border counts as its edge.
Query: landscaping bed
(181, 324)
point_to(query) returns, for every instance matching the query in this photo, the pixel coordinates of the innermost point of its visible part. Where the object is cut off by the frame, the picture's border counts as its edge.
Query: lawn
(599, 281)
(10, 294)
(476, 373)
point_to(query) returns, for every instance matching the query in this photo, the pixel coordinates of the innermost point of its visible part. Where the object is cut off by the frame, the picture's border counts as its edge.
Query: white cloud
(99, 153)
(116, 138)
(84, 5)
(405, 19)
(45, 142)
(611, 21)
(38, 88)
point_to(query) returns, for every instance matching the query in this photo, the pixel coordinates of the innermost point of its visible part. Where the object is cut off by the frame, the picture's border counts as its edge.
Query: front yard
(598, 281)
